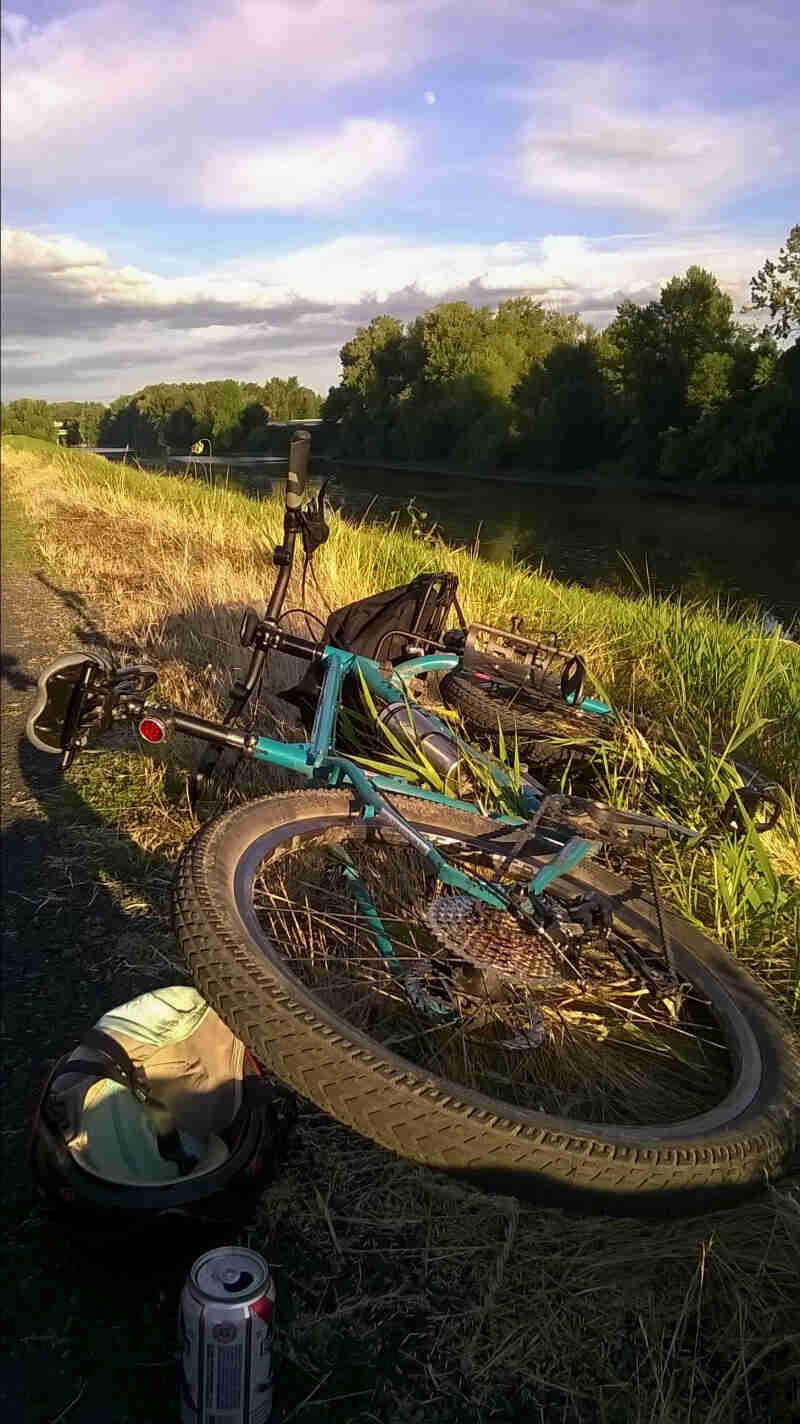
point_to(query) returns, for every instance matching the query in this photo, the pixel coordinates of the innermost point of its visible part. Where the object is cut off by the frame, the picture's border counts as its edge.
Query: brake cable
(662, 930)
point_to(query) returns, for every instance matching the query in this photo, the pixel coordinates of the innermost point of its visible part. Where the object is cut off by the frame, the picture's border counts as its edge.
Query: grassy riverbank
(169, 562)
(403, 1298)
(184, 549)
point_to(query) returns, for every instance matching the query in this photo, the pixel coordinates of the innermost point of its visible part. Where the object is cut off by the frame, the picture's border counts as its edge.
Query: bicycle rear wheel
(627, 1103)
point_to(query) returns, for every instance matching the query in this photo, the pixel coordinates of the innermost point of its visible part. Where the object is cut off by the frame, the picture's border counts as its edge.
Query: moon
(429, 96)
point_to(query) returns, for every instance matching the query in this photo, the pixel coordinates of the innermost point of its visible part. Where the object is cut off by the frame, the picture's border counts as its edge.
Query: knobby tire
(748, 1141)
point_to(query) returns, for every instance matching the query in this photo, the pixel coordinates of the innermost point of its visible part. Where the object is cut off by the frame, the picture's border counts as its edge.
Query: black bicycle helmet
(160, 1111)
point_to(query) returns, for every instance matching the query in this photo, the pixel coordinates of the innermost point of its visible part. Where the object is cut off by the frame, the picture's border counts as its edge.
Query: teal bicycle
(474, 992)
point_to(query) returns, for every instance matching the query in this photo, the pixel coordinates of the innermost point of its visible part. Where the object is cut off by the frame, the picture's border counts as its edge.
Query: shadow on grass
(87, 631)
(400, 1296)
(86, 927)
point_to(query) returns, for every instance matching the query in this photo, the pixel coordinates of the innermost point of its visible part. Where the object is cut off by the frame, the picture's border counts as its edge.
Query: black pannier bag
(387, 627)
(383, 625)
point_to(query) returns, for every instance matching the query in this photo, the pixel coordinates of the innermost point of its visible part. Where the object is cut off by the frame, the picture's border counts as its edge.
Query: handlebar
(296, 478)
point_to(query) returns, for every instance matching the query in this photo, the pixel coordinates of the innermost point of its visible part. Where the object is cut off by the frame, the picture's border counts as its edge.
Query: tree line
(79, 421)
(231, 415)
(675, 388)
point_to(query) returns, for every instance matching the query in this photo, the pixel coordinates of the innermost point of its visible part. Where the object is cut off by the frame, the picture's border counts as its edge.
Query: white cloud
(78, 324)
(600, 137)
(54, 283)
(14, 26)
(309, 173)
(429, 97)
(128, 95)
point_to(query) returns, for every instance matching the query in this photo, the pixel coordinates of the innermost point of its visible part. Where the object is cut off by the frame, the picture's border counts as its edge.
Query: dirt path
(36, 626)
(73, 1338)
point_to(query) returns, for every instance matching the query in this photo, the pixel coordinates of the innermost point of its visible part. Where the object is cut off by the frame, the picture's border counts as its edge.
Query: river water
(746, 553)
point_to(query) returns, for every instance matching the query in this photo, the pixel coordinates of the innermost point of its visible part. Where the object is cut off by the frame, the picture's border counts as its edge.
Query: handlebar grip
(299, 452)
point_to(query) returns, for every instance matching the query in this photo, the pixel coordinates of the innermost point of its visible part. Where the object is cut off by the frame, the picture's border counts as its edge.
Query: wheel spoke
(610, 1049)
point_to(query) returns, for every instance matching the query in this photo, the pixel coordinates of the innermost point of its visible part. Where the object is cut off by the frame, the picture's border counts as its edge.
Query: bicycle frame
(323, 766)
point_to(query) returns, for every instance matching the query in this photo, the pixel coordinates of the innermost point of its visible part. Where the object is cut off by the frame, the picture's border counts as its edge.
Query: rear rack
(520, 660)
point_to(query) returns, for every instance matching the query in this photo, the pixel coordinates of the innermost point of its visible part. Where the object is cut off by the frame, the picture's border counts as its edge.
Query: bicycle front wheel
(570, 1084)
(531, 714)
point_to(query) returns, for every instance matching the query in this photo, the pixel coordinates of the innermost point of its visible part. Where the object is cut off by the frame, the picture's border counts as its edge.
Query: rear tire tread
(324, 1065)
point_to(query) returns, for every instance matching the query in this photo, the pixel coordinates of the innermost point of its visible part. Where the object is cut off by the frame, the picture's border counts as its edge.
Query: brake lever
(314, 529)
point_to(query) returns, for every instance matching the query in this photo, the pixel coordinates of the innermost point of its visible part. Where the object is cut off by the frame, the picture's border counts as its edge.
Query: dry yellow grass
(447, 1304)
(163, 554)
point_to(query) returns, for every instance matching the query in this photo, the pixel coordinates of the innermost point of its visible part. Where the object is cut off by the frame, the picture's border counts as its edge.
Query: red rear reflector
(151, 730)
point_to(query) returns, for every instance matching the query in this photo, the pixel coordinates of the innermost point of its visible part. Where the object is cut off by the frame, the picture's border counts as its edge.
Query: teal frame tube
(317, 760)
(314, 760)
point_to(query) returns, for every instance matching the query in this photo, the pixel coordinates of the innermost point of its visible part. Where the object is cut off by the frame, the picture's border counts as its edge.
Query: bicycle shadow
(87, 631)
(205, 639)
(86, 928)
(12, 673)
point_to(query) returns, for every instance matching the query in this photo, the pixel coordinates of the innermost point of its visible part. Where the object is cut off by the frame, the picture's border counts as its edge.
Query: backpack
(385, 625)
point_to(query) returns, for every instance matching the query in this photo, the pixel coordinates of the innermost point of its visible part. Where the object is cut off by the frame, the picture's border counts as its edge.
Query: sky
(209, 190)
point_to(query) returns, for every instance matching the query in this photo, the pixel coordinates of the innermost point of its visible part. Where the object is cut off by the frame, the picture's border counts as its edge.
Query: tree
(533, 329)
(441, 387)
(710, 382)
(231, 414)
(453, 338)
(658, 348)
(360, 356)
(750, 438)
(776, 289)
(81, 420)
(566, 407)
(29, 417)
(288, 400)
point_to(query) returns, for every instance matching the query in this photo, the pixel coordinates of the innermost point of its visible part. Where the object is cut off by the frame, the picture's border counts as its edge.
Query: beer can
(225, 1327)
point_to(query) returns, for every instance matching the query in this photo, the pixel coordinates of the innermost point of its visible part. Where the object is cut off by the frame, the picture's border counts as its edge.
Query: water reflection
(702, 550)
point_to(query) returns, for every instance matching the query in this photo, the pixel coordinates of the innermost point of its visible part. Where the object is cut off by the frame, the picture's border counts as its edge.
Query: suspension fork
(283, 559)
(238, 698)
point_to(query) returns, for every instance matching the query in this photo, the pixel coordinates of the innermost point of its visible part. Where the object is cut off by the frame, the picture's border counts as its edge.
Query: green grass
(403, 1298)
(18, 535)
(671, 658)
(171, 560)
